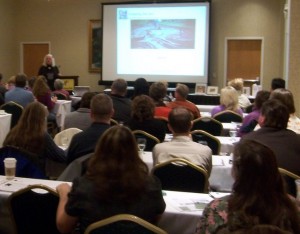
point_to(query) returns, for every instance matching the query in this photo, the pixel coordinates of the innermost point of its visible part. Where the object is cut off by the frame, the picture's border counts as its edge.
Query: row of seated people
(84, 142)
(113, 186)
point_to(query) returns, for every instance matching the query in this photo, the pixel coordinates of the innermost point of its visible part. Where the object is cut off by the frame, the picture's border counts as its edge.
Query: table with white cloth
(182, 213)
(75, 100)
(5, 120)
(206, 108)
(61, 109)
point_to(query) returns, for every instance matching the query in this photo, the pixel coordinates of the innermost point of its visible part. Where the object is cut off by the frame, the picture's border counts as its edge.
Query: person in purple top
(250, 121)
(228, 101)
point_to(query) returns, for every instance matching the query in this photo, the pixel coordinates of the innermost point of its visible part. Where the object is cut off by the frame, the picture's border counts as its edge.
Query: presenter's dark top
(51, 73)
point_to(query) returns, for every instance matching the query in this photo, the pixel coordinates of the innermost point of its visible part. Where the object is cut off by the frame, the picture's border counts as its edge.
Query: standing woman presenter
(49, 70)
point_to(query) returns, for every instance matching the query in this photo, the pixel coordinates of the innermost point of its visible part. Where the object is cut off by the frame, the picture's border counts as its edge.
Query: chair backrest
(65, 135)
(165, 121)
(75, 169)
(34, 211)
(113, 122)
(151, 140)
(181, 175)
(61, 96)
(28, 165)
(123, 224)
(228, 116)
(205, 138)
(208, 124)
(15, 110)
(289, 179)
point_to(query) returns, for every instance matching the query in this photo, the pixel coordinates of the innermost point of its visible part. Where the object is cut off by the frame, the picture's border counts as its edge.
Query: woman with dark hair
(142, 117)
(42, 93)
(158, 92)
(141, 86)
(251, 120)
(117, 182)
(258, 195)
(286, 97)
(30, 134)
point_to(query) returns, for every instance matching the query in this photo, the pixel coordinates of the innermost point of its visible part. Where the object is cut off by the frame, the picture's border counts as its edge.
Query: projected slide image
(163, 34)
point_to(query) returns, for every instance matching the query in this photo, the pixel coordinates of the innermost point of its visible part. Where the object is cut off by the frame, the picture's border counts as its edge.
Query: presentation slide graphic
(163, 34)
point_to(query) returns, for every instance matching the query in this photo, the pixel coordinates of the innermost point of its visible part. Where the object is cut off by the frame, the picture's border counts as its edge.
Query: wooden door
(244, 57)
(33, 55)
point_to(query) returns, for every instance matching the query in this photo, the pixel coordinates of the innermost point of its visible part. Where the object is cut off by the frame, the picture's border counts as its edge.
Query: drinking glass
(141, 142)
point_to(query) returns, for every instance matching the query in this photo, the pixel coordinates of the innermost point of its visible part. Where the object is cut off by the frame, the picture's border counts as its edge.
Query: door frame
(226, 53)
(22, 51)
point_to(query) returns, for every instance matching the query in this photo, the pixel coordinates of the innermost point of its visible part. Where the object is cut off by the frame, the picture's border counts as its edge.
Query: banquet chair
(151, 140)
(179, 174)
(228, 116)
(208, 124)
(75, 169)
(15, 110)
(29, 165)
(289, 179)
(65, 136)
(33, 210)
(113, 122)
(60, 96)
(123, 224)
(205, 138)
(165, 121)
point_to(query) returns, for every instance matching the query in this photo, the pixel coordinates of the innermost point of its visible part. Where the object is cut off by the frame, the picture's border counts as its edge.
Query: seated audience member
(181, 145)
(31, 83)
(238, 84)
(251, 120)
(59, 89)
(158, 92)
(140, 86)
(81, 117)
(42, 93)
(19, 94)
(273, 133)
(277, 83)
(30, 134)
(143, 117)
(258, 195)
(84, 142)
(117, 181)
(228, 101)
(181, 94)
(122, 104)
(286, 97)
(10, 83)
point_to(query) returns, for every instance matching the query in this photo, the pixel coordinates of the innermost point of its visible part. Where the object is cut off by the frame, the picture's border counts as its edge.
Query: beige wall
(294, 62)
(247, 18)
(65, 25)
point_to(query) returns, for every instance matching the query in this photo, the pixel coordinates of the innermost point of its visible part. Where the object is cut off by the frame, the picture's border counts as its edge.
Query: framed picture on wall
(212, 90)
(95, 46)
(200, 88)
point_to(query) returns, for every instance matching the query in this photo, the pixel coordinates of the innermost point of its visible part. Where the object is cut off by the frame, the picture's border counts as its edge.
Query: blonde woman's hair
(229, 98)
(45, 60)
(237, 83)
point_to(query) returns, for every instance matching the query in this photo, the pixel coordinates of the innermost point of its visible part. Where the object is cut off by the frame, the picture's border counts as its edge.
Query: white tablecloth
(180, 217)
(61, 109)
(205, 108)
(5, 121)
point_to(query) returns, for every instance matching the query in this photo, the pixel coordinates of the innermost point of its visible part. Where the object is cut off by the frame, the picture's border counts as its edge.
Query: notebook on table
(80, 90)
